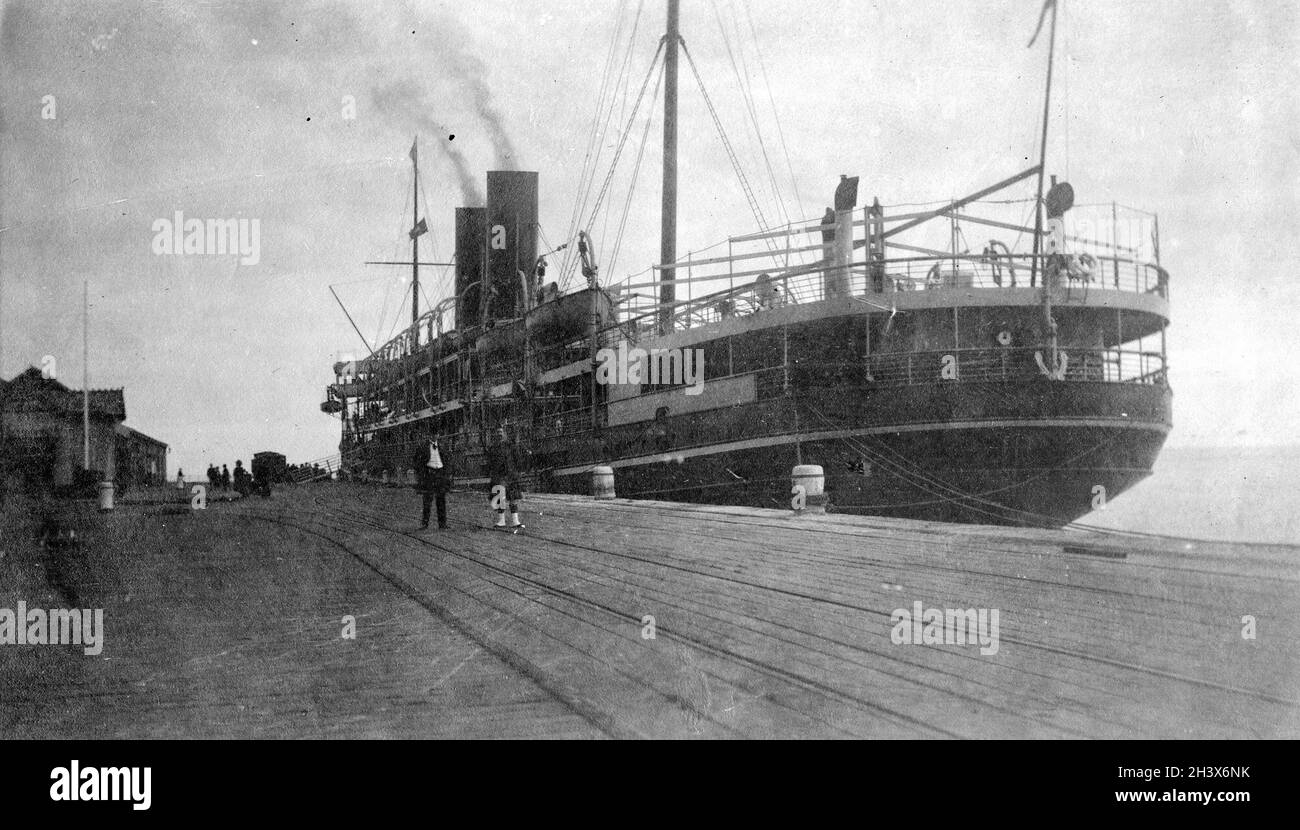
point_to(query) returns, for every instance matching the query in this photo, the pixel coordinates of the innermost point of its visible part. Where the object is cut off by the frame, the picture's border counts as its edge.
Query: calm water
(1242, 494)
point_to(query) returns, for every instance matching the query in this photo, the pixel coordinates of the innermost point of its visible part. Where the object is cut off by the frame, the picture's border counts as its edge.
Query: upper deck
(860, 263)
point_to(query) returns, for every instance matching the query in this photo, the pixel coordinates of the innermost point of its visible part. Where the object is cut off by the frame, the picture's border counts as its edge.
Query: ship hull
(903, 475)
(1031, 454)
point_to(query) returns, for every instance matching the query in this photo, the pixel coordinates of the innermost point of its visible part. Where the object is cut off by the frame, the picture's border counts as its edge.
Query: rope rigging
(599, 129)
(618, 151)
(746, 93)
(631, 188)
(731, 151)
(776, 118)
(585, 206)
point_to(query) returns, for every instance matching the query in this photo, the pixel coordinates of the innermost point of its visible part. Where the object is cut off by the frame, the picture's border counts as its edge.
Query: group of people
(221, 479)
(434, 479)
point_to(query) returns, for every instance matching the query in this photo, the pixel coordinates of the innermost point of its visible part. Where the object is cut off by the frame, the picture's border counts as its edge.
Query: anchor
(1062, 360)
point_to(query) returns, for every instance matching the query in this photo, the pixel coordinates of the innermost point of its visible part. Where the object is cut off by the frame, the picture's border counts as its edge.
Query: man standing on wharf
(434, 474)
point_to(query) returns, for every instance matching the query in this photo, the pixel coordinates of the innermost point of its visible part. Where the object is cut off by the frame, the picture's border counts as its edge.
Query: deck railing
(753, 273)
(807, 284)
(978, 365)
(937, 367)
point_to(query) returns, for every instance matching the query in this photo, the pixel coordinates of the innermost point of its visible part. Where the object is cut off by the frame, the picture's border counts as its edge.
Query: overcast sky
(225, 110)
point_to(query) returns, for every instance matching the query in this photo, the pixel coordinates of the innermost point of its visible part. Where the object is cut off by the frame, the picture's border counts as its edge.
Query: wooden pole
(1114, 241)
(668, 229)
(1042, 148)
(85, 375)
(1049, 322)
(415, 236)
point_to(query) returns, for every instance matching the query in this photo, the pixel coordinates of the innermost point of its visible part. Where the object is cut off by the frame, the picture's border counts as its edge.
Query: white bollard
(602, 482)
(812, 480)
(384, 477)
(105, 496)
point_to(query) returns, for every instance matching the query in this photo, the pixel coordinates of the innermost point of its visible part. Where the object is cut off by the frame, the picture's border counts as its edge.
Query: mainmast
(668, 231)
(1049, 320)
(415, 235)
(85, 376)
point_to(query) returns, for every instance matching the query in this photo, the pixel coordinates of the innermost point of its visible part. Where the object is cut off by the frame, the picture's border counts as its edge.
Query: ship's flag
(413, 158)
(421, 227)
(1048, 4)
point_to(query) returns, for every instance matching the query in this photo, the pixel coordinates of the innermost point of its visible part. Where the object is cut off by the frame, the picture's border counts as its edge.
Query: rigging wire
(581, 189)
(596, 142)
(618, 152)
(777, 192)
(730, 150)
(599, 129)
(622, 91)
(636, 171)
(762, 65)
(746, 94)
(394, 253)
(604, 190)
(443, 287)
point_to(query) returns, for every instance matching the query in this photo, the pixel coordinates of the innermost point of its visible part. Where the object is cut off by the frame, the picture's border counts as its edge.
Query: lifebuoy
(1004, 338)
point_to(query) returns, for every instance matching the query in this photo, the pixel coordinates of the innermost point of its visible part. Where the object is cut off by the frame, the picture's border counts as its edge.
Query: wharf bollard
(602, 482)
(384, 478)
(808, 490)
(105, 496)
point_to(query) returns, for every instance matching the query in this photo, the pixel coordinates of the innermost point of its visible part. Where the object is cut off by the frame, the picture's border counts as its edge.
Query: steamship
(1017, 384)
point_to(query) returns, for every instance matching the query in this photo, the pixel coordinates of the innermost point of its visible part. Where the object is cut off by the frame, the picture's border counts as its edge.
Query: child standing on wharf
(503, 480)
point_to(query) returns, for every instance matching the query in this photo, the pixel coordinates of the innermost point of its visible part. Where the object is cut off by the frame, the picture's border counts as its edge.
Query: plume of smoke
(471, 72)
(406, 101)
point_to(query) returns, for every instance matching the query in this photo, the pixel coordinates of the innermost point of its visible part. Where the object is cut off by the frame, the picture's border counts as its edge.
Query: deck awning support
(958, 203)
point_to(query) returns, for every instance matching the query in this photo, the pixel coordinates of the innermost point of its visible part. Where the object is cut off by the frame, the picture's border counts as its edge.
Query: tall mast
(668, 232)
(1049, 320)
(1042, 146)
(415, 236)
(85, 375)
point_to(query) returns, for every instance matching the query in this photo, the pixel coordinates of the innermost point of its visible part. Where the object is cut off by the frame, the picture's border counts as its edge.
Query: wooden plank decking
(771, 625)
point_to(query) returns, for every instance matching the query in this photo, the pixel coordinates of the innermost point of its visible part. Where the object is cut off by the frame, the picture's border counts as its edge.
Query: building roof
(136, 435)
(31, 391)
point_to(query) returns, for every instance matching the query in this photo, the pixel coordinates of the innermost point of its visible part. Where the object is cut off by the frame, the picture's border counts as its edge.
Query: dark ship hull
(915, 474)
(1020, 453)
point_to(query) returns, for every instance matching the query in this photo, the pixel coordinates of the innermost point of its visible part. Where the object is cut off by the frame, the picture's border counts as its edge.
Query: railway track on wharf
(763, 626)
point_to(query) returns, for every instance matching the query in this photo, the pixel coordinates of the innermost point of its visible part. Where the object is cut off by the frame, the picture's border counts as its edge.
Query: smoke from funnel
(471, 71)
(468, 185)
(406, 101)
